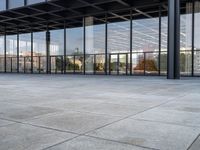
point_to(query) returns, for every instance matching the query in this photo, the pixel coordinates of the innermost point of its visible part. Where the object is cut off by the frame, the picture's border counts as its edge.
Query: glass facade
(94, 46)
(25, 53)
(15, 3)
(57, 50)
(34, 1)
(74, 50)
(2, 54)
(118, 45)
(2, 5)
(11, 53)
(186, 40)
(163, 44)
(123, 43)
(39, 52)
(146, 46)
(196, 39)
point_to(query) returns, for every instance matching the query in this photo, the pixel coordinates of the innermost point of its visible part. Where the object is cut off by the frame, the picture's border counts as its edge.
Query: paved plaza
(75, 112)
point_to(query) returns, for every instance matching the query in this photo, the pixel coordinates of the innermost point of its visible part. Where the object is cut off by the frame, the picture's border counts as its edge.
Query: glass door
(123, 64)
(113, 68)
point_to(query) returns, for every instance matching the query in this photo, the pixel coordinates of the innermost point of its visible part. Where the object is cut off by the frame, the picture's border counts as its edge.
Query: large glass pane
(2, 54)
(138, 63)
(197, 39)
(70, 64)
(34, 1)
(164, 37)
(95, 44)
(118, 40)
(151, 63)
(100, 64)
(186, 62)
(186, 39)
(39, 52)
(11, 53)
(57, 50)
(119, 37)
(145, 40)
(2, 5)
(25, 53)
(15, 3)
(74, 43)
(163, 62)
(197, 63)
(123, 62)
(113, 64)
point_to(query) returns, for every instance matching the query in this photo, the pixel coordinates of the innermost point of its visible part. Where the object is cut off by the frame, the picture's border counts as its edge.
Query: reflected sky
(145, 37)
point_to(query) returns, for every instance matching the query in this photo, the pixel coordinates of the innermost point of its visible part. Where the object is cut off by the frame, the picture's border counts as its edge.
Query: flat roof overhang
(56, 13)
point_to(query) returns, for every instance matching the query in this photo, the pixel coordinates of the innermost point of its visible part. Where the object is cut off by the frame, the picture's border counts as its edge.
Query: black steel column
(17, 50)
(131, 43)
(31, 51)
(25, 2)
(65, 48)
(48, 63)
(7, 4)
(106, 45)
(5, 47)
(173, 68)
(160, 36)
(84, 44)
(193, 26)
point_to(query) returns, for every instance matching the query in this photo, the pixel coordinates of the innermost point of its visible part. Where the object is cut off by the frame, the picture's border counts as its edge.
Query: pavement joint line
(8, 125)
(78, 135)
(20, 122)
(44, 127)
(169, 123)
(115, 141)
(175, 98)
(10, 120)
(193, 142)
(133, 115)
(59, 143)
(121, 142)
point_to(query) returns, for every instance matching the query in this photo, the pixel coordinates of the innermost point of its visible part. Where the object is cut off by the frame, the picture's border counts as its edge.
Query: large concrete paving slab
(195, 145)
(114, 109)
(103, 112)
(5, 122)
(77, 122)
(149, 134)
(18, 112)
(88, 143)
(26, 137)
(178, 112)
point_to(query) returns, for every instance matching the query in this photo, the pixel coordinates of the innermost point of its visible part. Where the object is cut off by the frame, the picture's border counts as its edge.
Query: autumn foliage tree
(148, 65)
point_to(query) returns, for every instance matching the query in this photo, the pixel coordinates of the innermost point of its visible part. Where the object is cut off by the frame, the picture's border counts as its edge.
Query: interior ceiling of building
(55, 12)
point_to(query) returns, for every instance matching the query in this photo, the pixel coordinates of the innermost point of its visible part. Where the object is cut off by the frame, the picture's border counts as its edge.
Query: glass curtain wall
(119, 43)
(34, 1)
(74, 50)
(57, 50)
(95, 45)
(2, 5)
(145, 58)
(25, 53)
(11, 53)
(197, 39)
(39, 52)
(2, 54)
(15, 3)
(164, 39)
(186, 39)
